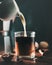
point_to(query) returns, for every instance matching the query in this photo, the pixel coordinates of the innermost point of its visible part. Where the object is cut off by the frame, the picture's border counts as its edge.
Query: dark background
(38, 15)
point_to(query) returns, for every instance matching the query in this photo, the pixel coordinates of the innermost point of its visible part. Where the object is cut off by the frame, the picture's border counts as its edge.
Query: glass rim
(32, 33)
(23, 32)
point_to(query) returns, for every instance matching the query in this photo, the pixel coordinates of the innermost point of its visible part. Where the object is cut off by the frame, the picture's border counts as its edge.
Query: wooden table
(22, 63)
(44, 60)
(39, 61)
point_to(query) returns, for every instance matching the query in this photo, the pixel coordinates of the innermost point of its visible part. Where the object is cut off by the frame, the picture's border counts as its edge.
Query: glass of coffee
(25, 45)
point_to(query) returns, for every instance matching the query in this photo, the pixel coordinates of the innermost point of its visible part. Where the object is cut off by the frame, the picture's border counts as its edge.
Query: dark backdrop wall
(38, 15)
(38, 18)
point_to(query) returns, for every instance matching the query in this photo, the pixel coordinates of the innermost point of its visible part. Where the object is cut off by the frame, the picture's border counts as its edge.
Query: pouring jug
(8, 9)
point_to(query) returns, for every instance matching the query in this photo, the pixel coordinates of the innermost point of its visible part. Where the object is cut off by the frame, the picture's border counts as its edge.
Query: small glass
(25, 45)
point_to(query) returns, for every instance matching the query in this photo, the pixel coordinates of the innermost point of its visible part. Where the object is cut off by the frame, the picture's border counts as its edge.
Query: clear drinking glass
(25, 45)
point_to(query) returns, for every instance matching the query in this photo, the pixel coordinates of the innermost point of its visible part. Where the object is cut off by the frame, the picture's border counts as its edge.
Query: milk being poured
(23, 23)
(21, 16)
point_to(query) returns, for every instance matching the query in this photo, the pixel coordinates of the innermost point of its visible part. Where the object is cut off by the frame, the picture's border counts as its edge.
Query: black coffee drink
(24, 45)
